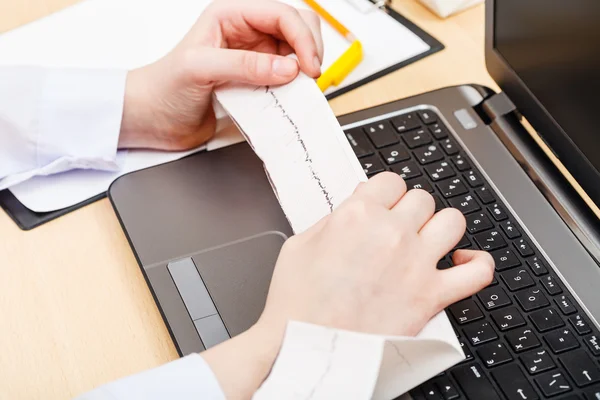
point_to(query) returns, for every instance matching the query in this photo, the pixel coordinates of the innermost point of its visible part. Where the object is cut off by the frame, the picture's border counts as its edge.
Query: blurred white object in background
(444, 8)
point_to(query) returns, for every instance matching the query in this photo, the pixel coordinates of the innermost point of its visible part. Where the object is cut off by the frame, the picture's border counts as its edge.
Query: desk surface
(76, 311)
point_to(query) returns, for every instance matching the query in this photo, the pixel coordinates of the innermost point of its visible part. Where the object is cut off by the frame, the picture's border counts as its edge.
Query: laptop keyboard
(524, 336)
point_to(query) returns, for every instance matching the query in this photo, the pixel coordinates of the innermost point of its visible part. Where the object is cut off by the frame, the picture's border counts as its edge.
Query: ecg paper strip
(313, 169)
(298, 145)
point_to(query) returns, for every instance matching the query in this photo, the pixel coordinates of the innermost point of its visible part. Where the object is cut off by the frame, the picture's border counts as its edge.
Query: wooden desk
(75, 309)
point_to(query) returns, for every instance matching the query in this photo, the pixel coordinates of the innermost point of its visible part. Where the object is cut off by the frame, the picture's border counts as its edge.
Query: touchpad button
(237, 276)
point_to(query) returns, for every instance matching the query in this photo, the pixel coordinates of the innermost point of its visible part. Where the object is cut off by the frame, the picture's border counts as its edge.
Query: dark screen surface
(554, 48)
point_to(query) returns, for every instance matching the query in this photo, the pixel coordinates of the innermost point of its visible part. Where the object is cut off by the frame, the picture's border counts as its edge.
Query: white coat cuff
(80, 117)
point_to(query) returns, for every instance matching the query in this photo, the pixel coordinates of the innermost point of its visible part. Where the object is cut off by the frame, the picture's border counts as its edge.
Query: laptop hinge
(496, 106)
(501, 115)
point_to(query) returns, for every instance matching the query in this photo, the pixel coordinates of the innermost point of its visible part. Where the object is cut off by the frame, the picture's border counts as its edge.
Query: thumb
(210, 65)
(473, 271)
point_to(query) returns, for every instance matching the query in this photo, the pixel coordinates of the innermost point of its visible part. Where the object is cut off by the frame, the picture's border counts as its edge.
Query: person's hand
(368, 267)
(371, 265)
(168, 103)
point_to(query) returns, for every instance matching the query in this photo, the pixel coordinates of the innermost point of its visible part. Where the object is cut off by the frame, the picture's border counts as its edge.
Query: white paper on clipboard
(141, 31)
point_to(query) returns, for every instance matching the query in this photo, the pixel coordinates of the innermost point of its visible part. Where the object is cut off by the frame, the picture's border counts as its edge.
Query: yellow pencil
(339, 70)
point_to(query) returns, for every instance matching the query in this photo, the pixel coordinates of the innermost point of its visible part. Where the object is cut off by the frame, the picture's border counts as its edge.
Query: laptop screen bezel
(538, 116)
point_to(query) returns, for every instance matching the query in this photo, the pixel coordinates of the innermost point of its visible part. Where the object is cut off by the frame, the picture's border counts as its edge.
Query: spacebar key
(474, 383)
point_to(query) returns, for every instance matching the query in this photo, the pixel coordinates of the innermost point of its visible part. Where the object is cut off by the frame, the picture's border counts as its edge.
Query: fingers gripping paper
(313, 170)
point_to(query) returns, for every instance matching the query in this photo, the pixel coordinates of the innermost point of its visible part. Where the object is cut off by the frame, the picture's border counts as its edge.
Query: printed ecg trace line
(307, 157)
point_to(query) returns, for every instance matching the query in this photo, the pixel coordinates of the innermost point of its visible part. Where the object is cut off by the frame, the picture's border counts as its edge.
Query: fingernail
(317, 64)
(284, 67)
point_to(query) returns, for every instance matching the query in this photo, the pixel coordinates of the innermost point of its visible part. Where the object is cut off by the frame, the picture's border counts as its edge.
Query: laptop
(207, 229)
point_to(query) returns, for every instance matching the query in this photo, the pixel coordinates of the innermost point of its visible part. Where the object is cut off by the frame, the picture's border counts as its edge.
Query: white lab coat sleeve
(53, 120)
(188, 378)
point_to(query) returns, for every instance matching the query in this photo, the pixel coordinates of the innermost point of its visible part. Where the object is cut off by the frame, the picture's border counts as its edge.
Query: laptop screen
(554, 48)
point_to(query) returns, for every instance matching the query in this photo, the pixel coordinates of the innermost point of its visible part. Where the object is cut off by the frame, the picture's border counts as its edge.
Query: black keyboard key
(466, 350)
(494, 297)
(419, 183)
(359, 142)
(561, 340)
(478, 222)
(592, 394)
(439, 205)
(439, 171)
(565, 305)
(371, 165)
(494, 354)
(407, 170)
(505, 259)
(523, 247)
(551, 285)
(439, 131)
(406, 122)
(465, 204)
(553, 383)
(450, 147)
(490, 240)
(485, 195)
(537, 361)
(443, 264)
(510, 230)
(593, 343)
(532, 299)
(494, 281)
(461, 163)
(498, 212)
(580, 324)
(581, 367)
(452, 187)
(463, 243)
(416, 138)
(415, 394)
(429, 154)
(447, 388)
(546, 320)
(431, 392)
(474, 383)
(517, 279)
(480, 332)
(474, 179)
(465, 311)
(394, 154)
(513, 383)
(381, 134)
(522, 339)
(538, 266)
(428, 117)
(508, 318)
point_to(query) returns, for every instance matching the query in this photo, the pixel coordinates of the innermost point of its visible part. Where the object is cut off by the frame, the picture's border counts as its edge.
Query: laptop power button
(465, 119)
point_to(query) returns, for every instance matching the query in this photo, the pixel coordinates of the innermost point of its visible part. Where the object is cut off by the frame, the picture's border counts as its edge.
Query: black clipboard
(27, 219)
(434, 46)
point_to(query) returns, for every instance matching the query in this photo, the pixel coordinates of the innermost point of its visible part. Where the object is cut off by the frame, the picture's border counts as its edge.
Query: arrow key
(581, 367)
(592, 394)
(553, 383)
(446, 388)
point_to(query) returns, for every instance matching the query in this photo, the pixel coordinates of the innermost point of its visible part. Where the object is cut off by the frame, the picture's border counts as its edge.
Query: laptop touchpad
(237, 276)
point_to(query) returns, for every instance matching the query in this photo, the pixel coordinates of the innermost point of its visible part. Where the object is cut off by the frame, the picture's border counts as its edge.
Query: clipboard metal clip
(367, 6)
